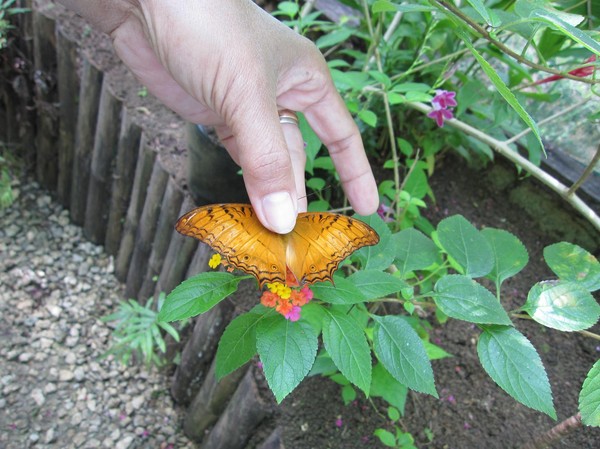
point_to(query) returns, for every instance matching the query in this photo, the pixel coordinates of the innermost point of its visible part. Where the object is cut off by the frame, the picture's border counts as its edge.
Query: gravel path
(55, 390)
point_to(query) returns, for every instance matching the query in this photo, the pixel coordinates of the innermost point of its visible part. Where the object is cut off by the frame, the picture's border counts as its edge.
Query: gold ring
(287, 116)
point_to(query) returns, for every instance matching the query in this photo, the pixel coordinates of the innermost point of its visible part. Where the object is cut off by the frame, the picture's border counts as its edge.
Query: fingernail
(280, 211)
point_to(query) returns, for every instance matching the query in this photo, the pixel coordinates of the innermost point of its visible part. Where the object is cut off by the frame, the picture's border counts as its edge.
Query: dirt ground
(472, 411)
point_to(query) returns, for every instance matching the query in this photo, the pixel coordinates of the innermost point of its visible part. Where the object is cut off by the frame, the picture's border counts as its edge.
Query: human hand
(231, 65)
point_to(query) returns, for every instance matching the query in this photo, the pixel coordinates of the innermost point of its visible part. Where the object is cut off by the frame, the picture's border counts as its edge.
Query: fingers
(269, 168)
(334, 125)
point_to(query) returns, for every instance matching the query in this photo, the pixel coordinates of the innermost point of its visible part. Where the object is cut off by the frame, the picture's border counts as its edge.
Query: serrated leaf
(414, 251)
(380, 256)
(400, 350)
(565, 306)
(461, 297)
(198, 295)
(237, 344)
(343, 292)
(287, 350)
(465, 244)
(375, 284)
(347, 345)
(510, 256)
(514, 364)
(589, 397)
(573, 263)
(383, 385)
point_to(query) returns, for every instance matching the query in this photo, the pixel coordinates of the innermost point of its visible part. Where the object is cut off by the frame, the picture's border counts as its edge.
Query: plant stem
(504, 149)
(555, 434)
(524, 316)
(586, 173)
(561, 114)
(486, 35)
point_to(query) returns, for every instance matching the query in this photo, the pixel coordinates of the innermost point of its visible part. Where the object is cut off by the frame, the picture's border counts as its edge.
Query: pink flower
(339, 423)
(444, 99)
(307, 292)
(581, 72)
(385, 212)
(439, 115)
(259, 364)
(294, 314)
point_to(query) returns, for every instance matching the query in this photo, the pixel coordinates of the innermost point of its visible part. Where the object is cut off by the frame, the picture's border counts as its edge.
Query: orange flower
(298, 298)
(284, 307)
(269, 299)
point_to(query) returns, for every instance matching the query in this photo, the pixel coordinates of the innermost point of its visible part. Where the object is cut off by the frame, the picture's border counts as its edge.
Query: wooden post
(89, 100)
(180, 252)
(123, 180)
(141, 179)
(273, 441)
(105, 150)
(211, 400)
(243, 414)
(146, 229)
(199, 262)
(169, 212)
(44, 61)
(199, 351)
(68, 92)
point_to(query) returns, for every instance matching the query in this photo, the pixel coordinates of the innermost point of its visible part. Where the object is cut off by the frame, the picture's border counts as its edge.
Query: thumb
(266, 167)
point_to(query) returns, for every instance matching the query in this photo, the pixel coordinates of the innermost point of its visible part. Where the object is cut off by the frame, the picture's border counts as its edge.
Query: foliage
(449, 274)
(7, 9)
(389, 59)
(6, 192)
(137, 332)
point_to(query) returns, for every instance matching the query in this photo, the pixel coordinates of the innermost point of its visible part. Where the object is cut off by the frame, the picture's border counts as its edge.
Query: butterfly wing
(233, 230)
(320, 241)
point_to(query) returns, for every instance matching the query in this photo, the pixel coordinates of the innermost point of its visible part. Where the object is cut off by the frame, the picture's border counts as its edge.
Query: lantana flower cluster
(284, 299)
(442, 104)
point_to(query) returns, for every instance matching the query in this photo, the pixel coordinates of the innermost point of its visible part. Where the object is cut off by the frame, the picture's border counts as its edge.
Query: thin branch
(504, 149)
(559, 114)
(586, 173)
(507, 50)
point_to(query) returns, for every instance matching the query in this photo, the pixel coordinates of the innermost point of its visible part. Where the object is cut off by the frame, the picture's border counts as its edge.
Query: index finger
(332, 122)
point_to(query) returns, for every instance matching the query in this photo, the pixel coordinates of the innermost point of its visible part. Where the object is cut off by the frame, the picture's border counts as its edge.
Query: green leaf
(434, 352)
(369, 117)
(334, 38)
(510, 256)
(383, 385)
(573, 263)
(501, 87)
(414, 251)
(347, 345)
(350, 79)
(198, 295)
(483, 12)
(380, 77)
(565, 306)
(461, 297)
(348, 394)
(386, 437)
(344, 292)
(316, 183)
(313, 143)
(393, 413)
(400, 350)
(514, 364)
(237, 344)
(387, 6)
(574, 33)
(287, 350)
(380, 256)
(589, 397)
(465, 244)
(375, 284)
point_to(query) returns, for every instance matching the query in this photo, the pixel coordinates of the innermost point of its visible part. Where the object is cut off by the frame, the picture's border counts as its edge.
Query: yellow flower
(214, 261)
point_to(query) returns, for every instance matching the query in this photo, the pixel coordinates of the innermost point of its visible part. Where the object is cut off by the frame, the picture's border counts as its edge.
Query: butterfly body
(312, 251)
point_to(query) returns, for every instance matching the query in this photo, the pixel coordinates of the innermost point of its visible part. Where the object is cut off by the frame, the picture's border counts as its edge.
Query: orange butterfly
(312, 251)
